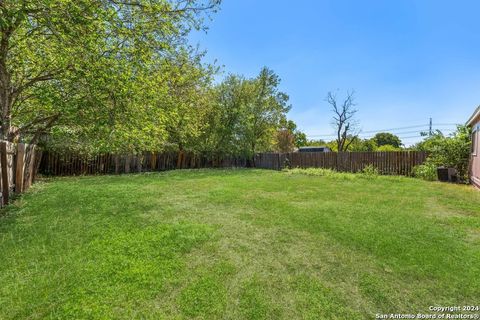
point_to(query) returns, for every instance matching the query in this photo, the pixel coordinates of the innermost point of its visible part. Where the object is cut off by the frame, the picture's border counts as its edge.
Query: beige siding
(475, 164)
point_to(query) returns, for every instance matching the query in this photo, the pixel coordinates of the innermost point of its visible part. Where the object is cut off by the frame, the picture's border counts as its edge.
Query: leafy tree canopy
(387, 138)
(97, 70)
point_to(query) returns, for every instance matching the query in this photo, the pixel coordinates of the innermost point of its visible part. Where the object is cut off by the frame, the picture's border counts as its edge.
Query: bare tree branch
(344, 119)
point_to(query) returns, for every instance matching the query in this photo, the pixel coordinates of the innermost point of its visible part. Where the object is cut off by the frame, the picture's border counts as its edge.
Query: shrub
(452, 151)
(427, 171)
(388, 147)
(370, 170)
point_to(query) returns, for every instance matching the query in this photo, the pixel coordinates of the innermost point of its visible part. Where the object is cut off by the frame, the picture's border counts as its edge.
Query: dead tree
(344, 119)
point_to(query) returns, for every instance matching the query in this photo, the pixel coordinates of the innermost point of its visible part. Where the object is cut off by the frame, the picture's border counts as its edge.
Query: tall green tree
(299, 138)
(246, 115)
(265, 109)
(285, 141)
(387, 138)
(74, 63)
(316, 143)
(225, 128)
(363, 145)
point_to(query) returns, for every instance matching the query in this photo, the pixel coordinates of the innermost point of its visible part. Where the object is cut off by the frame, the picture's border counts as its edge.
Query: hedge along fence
(393, 163)
(18, 168)
(69, 164)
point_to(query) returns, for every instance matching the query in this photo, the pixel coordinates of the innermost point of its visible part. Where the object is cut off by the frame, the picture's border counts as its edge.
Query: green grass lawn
(238, 244)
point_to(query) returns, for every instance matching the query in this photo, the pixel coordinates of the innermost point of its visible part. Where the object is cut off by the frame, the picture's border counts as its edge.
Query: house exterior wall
(475, 153)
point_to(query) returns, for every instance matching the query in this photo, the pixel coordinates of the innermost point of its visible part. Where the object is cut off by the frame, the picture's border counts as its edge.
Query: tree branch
(36, 121)
(40, 78)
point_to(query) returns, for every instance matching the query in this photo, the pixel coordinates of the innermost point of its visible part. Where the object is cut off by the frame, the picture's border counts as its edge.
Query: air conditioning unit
(447, 174)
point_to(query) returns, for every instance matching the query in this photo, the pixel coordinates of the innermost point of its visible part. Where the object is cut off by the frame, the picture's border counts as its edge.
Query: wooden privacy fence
(18, 167)
(395, 163)
(71, 164)
(399, 163)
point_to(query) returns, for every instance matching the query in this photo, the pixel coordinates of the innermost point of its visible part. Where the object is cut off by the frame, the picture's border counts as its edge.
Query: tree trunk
(5, 117)
(253, 154)
(6, 90)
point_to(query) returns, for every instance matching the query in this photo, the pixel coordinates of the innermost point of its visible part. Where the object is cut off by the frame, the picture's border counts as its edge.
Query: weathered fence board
(18, 164)
(71, 164)
(5, 171)
(19, 170)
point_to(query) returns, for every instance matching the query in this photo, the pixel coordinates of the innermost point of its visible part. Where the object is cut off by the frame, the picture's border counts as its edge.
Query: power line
(400, 135)
(372, 131)
(362, 135)
(411, 137)
(404, 132)
(395, 129)
(426, 127)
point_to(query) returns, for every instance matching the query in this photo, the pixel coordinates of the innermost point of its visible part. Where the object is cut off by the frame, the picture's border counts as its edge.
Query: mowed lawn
(238, 244)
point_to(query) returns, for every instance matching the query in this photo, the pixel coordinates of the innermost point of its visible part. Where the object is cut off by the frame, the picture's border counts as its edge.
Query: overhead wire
(425, 127)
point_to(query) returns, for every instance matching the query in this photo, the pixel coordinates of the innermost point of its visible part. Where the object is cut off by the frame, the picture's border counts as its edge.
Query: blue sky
(407, 60)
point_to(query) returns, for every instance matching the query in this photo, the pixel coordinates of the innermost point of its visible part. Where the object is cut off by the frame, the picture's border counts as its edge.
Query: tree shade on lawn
(238, 244)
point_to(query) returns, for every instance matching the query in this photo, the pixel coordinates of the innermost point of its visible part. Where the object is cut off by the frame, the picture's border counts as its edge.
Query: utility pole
(430, 130)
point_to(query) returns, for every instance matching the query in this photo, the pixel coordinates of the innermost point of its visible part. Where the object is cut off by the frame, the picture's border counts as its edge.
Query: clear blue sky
(407, 60)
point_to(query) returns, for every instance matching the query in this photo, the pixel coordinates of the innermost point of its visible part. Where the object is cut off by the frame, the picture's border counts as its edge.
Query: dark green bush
(452, 151)
(427, 171)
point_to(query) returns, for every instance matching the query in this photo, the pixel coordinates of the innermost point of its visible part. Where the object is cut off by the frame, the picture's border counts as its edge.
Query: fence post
(20, 168)
(153, 162)
(31, 165)
(179, 160)
(117, 164)
(4, 165)
(37, 163)
(140, 159)
(127, 164)
(28, 166)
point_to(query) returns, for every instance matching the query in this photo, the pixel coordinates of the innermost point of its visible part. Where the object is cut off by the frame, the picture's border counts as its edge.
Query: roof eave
(474, 116)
